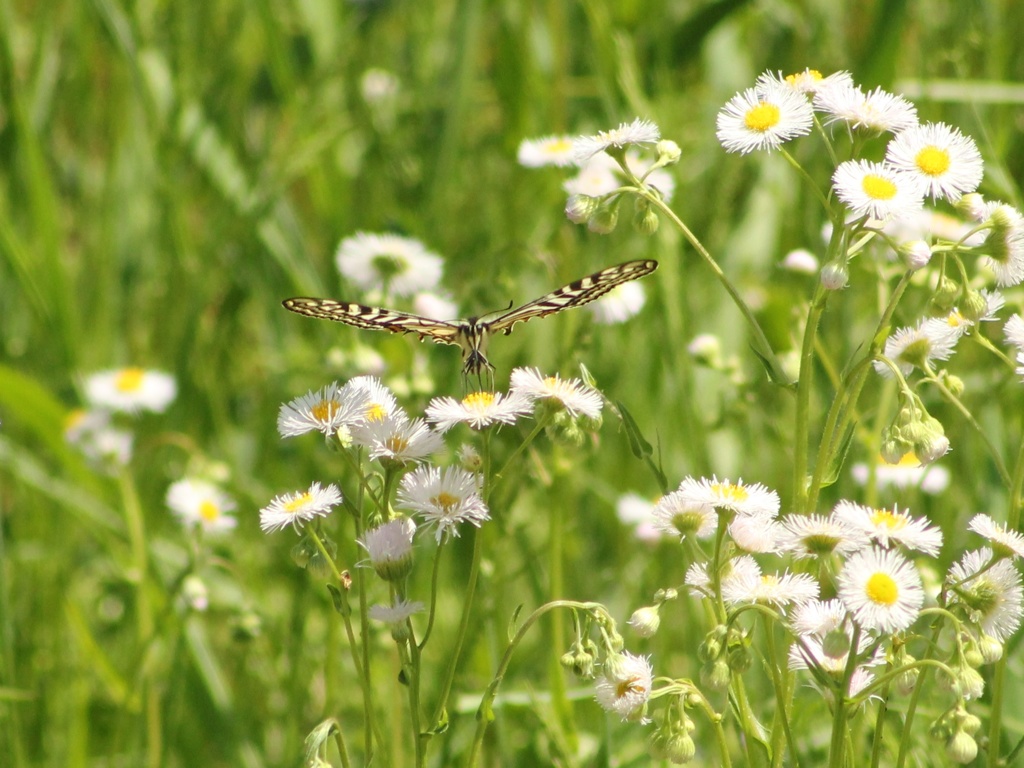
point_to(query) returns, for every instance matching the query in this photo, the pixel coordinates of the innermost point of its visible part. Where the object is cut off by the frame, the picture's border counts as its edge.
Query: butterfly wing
(376, 318)
(575, 294)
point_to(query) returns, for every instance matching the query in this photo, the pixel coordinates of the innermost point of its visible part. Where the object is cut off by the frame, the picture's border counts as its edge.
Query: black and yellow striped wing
(376, 318)
(575, 294)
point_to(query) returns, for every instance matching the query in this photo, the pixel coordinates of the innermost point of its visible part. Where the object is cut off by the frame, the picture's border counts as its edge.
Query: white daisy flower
(548, 150)
(802, 261)
(810, 81)
(397, 613)
(890, 526)
(738, 497)
(818, 617)
(477, 409)
(624, 686)
(618, 305)
(1004, 245)
(395, 438)
(634, 510)
(763, 118)
(434, 306)
(199, 503)
(378, 401)
(627, 134)
(391, 264)
(299, 507)
(131, 390)
(991, 596)
(819, 536)
(754, 533)
(876, 190)
(1005, 542)
(943, 161)
(444, 498)
(876, 112)
(389, 547)
(931, 339)
(1014, 331)
(571, 394)
(882, 589)
(908, 473)
(675, 516)
(811, 652)
(778, 590)
(324, 410)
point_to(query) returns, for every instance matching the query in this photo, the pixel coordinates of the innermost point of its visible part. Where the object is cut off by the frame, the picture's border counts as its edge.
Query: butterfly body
(472, 334)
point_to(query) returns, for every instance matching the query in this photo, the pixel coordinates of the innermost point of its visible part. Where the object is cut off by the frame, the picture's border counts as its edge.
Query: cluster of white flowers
(878, 586)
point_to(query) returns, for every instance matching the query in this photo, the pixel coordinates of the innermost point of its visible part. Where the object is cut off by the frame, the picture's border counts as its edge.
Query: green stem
(803, 399)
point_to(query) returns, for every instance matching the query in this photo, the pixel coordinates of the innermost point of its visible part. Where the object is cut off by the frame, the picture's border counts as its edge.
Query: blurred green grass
(170, 172)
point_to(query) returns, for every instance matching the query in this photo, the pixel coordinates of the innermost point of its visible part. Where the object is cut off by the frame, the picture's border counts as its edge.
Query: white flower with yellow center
(991, 596)
(626, 135)
(676, 516)
(774, 589)
(571, 394)
(881, 589)
(131, 390)
(908, 472)
(444, 498)
(624, 686)
(324, 410)
(763, 118)
(390, 264)
(809, 82)
(395, 438)
(943, 162)
(876, 190)
(547, 150)
(477, 409)
(933, 338)
(819, 536)
(738, 497)
(202, 504)
(378, 402)
(874, 112)
(296, 508)
(1004, 541)
(890, 526)
(754, 533)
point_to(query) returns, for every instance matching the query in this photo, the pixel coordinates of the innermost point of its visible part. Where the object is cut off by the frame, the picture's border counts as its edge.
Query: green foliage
(171, 171)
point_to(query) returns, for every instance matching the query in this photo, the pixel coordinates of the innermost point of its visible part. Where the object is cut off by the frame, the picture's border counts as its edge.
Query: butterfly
(472, 334)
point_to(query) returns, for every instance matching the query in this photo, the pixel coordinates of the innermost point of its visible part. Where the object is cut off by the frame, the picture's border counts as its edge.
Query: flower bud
(668, 152)
(945, 296)
(990, 648)
(974, 307)
(645, 220)
(579, 208)
(645, 621)
(972, 205)
(604, 219)
(836, 644)
(716, 675)
(916, 254)
(834, 276)
(962, 748)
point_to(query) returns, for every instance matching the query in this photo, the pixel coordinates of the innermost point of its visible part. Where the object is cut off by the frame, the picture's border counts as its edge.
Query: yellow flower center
(478, 401)
(932, 161)
(375, 412)
(208, 510)
(889, 518)
(324, 410)
(129, 380)
(907, 460)
(560, 145)
(811, 74)
(628, 686)
(878, 188)
(763, 117)
(445, 501)
(297, 503)
(730, 492)
(769, 580)
(396, 444)
(882, 589)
